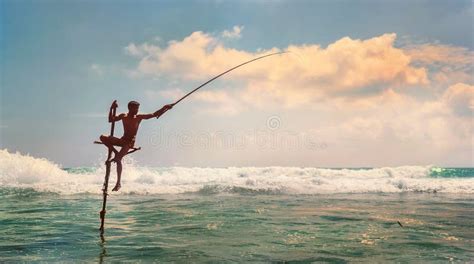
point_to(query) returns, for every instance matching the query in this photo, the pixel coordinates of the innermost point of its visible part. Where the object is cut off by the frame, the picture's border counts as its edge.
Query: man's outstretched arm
(157, 113)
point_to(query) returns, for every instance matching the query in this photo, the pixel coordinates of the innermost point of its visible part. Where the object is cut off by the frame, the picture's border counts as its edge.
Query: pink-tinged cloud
(307, 73)
(460, 98)
(438, 53)
(358, 96)
(447, 64)
(220, 102)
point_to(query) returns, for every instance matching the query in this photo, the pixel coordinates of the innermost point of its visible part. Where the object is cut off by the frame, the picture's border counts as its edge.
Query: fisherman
(131, 122)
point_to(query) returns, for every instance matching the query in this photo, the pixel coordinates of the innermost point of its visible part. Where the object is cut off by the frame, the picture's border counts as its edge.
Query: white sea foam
(23, 171)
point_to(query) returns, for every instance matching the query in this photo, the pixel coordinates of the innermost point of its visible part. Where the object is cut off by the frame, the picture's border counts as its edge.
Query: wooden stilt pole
(106, 181)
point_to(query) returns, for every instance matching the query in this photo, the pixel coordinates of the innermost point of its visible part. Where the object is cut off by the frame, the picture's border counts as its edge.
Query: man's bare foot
(117, 187)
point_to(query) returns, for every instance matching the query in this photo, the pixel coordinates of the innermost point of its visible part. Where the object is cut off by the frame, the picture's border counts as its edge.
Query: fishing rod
(240, 65)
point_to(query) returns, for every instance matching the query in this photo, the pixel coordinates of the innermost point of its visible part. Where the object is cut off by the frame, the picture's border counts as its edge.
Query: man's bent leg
(118, 158)
(110, 142)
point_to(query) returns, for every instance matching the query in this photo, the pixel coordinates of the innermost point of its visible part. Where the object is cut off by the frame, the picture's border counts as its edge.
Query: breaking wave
(23, 171)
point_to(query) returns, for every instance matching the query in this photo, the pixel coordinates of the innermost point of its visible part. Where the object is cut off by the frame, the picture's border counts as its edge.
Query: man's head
(133, 107)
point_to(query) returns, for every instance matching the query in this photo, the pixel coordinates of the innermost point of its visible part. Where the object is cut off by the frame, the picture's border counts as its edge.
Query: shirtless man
(131, 122)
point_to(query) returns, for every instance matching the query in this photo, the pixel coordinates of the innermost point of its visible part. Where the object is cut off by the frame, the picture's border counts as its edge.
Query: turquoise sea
(409, 214)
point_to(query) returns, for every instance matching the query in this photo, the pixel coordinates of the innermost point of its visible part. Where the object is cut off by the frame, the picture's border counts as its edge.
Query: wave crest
(23, 171)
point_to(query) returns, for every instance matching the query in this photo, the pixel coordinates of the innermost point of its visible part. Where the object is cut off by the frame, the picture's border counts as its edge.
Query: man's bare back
(131, 122)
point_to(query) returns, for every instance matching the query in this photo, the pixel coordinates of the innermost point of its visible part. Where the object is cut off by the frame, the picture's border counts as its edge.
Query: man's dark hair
(132, 104)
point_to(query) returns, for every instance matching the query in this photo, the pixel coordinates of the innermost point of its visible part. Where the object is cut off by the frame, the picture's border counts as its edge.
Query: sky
(365, 83)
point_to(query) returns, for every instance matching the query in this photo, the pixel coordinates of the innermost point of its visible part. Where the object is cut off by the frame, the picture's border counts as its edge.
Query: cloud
(397, 125)
(217, 102)
(428, 53)
(460, 98)
(447, 64)
(97, 69)
(346, 67)
(172, 94)
(141, 50)
(234, 34)
(358, 95)
(220, 103)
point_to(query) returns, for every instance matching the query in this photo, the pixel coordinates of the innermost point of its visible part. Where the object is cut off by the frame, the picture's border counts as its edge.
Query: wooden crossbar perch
(115, 151)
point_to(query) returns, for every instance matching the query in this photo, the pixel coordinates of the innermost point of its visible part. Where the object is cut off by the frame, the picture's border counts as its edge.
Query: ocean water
(403, 214)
